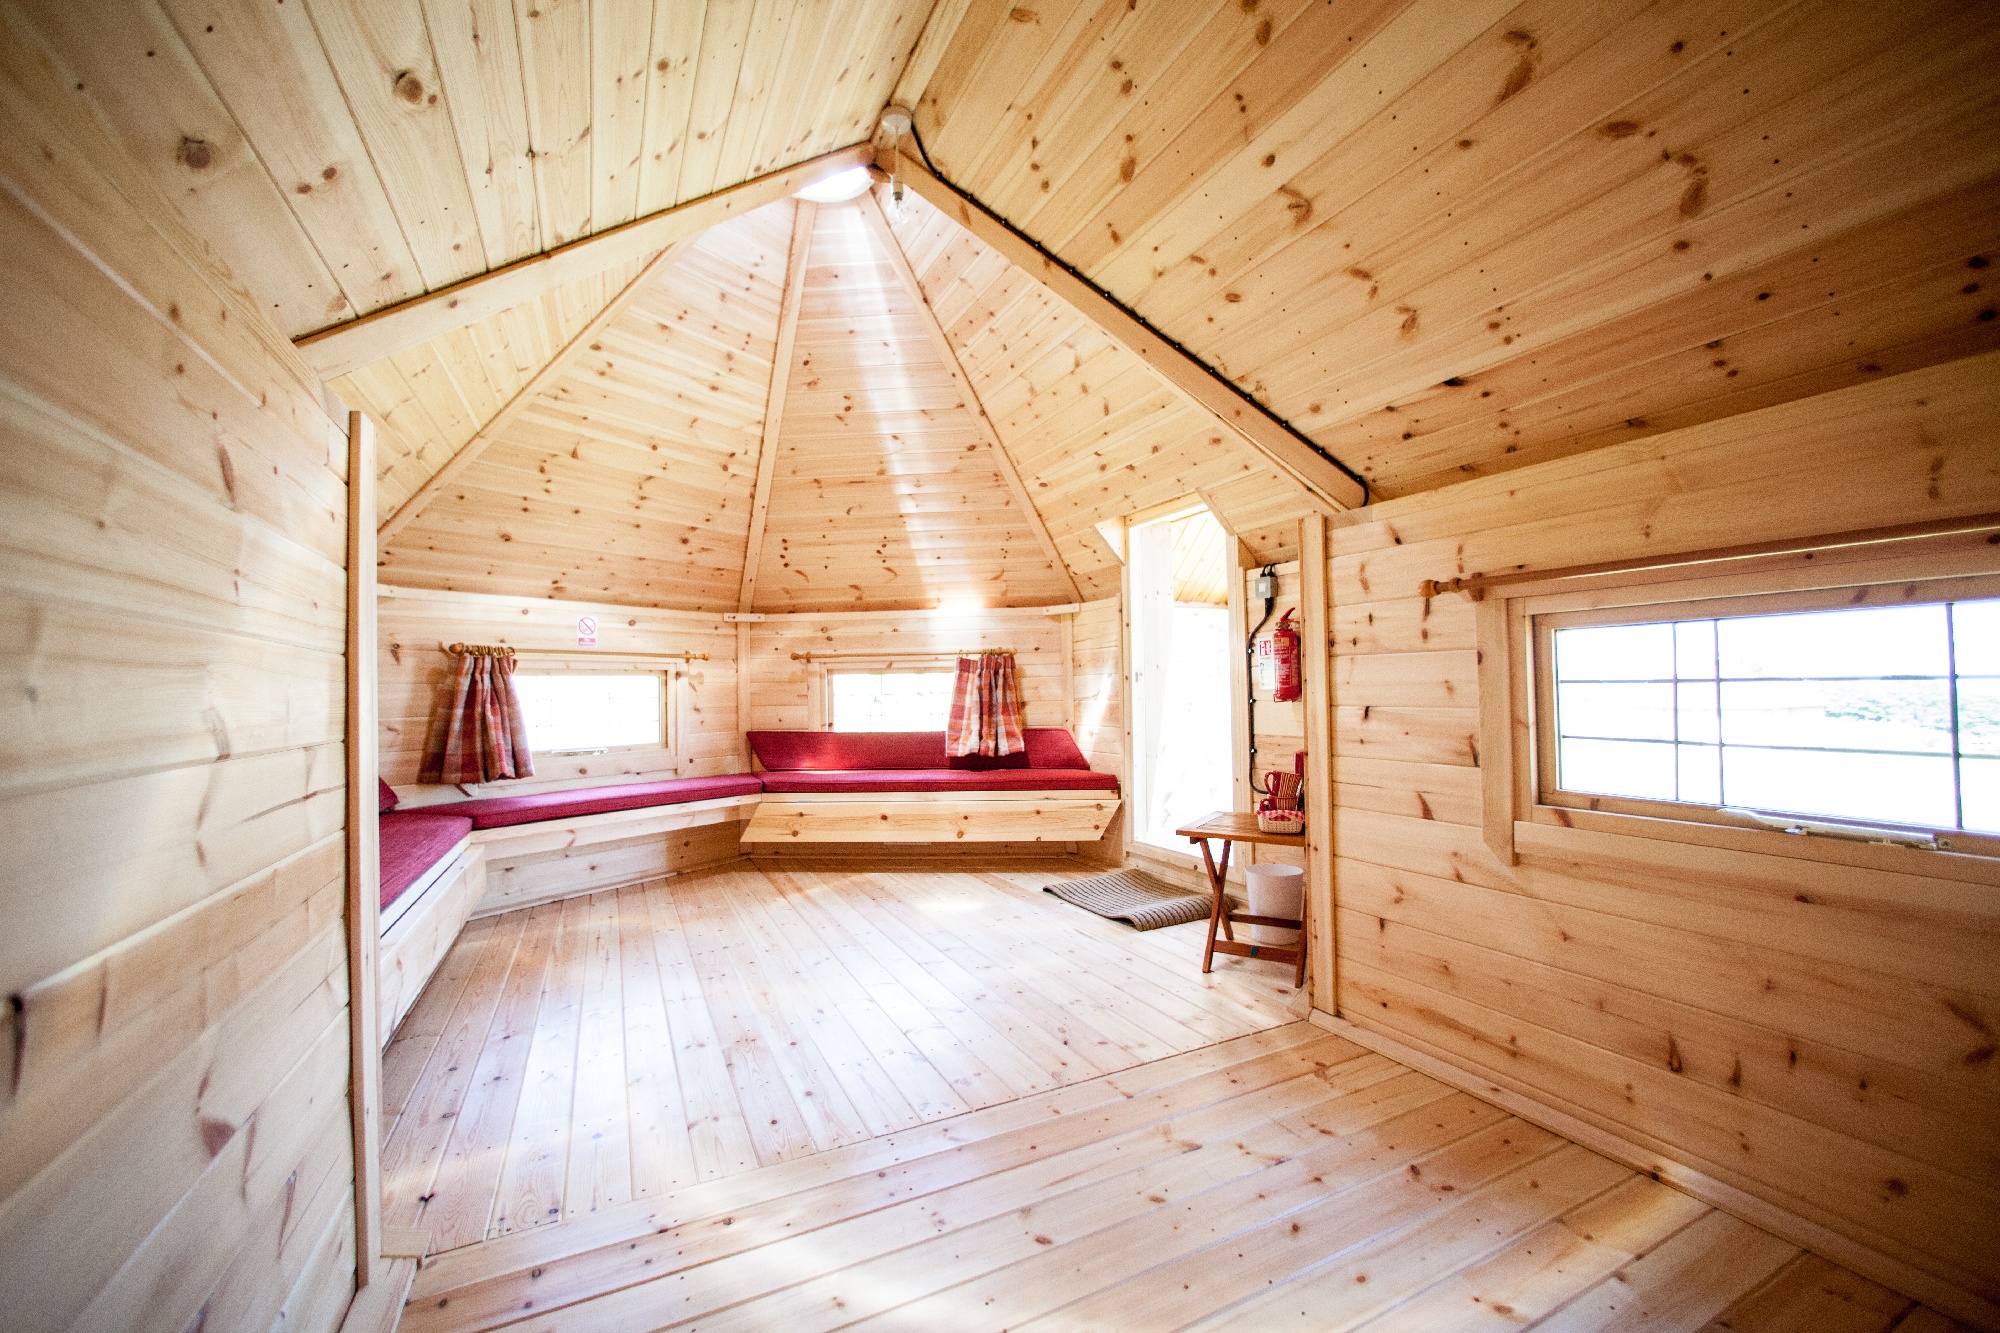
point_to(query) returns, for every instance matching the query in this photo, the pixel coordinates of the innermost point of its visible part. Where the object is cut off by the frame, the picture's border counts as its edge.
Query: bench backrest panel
(846, 751)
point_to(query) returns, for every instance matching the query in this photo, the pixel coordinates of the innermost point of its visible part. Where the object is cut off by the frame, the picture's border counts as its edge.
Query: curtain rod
(476, 650)
(960, 652)
(1475, 585)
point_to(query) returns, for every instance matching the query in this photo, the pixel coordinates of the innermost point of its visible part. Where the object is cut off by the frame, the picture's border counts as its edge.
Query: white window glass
(889, 700)
(1880, 714)
(579, 710)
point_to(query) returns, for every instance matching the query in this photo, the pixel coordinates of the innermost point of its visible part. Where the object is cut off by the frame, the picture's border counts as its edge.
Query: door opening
(1181, 769)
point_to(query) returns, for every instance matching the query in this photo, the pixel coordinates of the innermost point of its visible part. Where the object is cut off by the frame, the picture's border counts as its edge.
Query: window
(580, 711)
(1798, 704)
(889, 700)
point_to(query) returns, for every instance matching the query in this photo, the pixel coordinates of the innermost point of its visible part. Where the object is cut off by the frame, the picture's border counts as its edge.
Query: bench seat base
(954, 817)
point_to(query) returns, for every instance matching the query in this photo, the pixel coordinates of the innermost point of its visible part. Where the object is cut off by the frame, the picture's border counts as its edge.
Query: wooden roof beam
(871, 210)
(469, 452)
(1195, 382)
(774, 404)
(335, 351)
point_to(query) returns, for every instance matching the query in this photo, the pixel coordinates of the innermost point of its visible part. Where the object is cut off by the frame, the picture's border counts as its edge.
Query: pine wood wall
(1817, 1035)
(175, 1144)
(412, 671)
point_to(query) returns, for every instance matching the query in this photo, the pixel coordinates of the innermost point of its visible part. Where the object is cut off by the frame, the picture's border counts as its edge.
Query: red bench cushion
(843, 751)
(412, 842)
(505, 811)
(943, 779)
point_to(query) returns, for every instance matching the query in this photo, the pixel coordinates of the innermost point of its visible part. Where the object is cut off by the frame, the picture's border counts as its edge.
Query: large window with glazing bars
(1878, 710)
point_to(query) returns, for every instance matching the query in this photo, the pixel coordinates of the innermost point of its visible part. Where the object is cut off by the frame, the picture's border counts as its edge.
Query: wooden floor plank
(1814, 1295)
(600, 1128)
(462, 1195)
(535, 1172)
(1549, 1265)
(1037, 1169)
(432, 1108)
(1681, 1285)
(1094, 1118)
(1291, 1050)
(718, 1130)
(658, 1116)
(417, 1036)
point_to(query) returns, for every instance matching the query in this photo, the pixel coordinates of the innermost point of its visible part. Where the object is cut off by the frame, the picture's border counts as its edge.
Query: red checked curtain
(479, 736)
(985, 707)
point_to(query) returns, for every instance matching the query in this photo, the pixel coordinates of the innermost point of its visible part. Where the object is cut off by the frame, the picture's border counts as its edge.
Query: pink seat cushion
(943, 779)
(412, 842)
(505, 811)
(843, 751)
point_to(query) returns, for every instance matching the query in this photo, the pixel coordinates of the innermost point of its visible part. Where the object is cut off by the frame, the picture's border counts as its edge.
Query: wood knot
(410, 88)
(195, 154)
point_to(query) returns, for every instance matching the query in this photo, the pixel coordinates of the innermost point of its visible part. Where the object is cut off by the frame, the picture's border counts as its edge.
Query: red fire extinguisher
(1285, 649)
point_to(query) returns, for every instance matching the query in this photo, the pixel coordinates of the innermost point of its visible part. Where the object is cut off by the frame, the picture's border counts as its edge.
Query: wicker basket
(1281, 821)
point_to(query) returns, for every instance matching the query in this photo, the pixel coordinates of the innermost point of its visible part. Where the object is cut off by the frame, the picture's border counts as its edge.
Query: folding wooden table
(1241, 826)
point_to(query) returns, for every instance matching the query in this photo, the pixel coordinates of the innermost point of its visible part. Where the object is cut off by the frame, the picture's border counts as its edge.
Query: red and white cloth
(985, 707)
(480, 735)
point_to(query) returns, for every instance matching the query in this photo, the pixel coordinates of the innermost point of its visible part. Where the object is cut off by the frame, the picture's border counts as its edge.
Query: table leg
(1220, 879)
(1216, 912)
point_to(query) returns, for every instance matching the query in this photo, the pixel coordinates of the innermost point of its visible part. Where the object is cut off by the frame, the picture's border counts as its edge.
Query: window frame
(823, 671)
(566, 769)
(1526, 813)
(663, 678)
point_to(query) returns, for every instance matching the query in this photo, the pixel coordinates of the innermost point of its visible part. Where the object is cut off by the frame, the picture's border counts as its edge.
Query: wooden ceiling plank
(479, 64)
(335, 351)
(1187, 377)
(381, 56)
(266, 64)
(871, 212)
(621, 47)
(796, 261)
(146, 88)
(555, 57)
(724, 34)
(470, 451)
(939, 28)
(670, 73)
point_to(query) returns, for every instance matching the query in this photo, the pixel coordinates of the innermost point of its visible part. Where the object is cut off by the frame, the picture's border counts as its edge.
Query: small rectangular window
(580, 711)
(1879, 715)
(889, 700)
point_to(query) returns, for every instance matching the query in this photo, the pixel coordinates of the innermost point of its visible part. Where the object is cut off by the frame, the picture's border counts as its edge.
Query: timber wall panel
(1816, 1034)
(174, 602)
(413, 674)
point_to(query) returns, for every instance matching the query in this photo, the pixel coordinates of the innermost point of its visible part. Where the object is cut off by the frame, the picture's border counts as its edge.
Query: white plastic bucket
(1275, 890)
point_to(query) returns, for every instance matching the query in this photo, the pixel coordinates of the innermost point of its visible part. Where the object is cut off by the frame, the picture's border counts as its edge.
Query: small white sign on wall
(1267, 664)
(586, 631)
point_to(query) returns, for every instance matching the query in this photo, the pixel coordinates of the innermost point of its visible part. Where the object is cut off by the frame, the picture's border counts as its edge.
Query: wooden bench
(901, 787)
(431, 876)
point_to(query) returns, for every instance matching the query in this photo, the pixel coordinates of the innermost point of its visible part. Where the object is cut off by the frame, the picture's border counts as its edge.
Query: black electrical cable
(1250, 676)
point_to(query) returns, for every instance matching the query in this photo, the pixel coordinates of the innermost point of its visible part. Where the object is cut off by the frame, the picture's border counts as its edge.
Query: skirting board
(378, 1306)
(1779, 1221)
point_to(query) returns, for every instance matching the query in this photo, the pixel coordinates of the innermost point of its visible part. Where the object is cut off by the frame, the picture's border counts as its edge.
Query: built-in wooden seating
(432, 875)
(822, 786)
(552, 820)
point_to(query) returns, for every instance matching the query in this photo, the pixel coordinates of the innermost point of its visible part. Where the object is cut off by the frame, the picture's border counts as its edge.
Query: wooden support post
(1315, 614)
(345, 347)
(364, 867)
(871, 209)
(469, 452)
(774, 401)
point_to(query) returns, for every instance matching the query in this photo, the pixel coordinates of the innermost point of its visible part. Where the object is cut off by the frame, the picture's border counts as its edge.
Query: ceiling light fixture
(895, 123)
(837, 188)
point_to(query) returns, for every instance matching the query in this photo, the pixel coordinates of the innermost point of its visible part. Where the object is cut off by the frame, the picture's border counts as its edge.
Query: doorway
(1181, 767)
